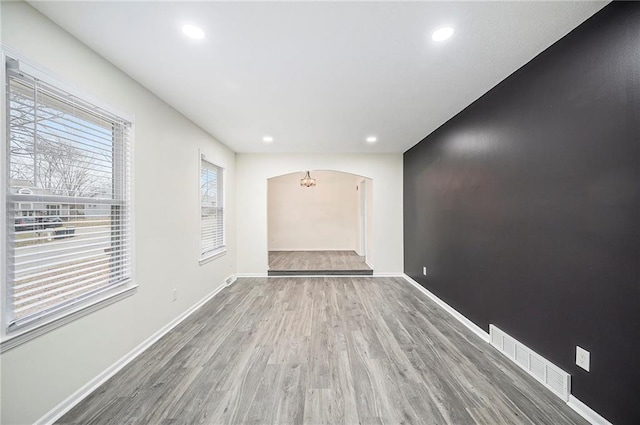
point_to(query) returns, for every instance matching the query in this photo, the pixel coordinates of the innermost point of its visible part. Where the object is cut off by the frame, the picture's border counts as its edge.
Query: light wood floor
(317, 262)
(334, 350)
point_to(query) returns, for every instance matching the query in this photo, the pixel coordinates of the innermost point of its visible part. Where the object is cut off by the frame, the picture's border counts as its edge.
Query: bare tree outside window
(46, 152)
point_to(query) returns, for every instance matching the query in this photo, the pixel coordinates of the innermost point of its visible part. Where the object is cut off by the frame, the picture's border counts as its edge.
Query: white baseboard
(387, 274)
(452, 311)
(75, 398)
(586, 412)
(252, 275)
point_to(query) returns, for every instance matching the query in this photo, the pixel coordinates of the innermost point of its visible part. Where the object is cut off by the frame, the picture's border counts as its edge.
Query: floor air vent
(550, 375)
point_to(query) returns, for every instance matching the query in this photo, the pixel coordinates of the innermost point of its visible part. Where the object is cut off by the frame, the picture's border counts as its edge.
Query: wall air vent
(550, 375)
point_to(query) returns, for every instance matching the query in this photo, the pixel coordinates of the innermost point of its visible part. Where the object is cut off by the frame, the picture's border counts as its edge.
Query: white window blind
(68, 200)
(211, 209)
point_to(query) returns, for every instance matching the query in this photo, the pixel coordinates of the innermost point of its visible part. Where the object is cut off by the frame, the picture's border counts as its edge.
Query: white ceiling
(319, 76)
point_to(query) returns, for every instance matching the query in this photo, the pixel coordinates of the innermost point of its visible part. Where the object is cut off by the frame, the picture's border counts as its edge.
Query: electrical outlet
(583, 358)
(424, 271)
(174, 295)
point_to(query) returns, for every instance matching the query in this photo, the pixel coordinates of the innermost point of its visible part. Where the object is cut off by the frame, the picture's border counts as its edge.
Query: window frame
(216, 253)
(10, 338)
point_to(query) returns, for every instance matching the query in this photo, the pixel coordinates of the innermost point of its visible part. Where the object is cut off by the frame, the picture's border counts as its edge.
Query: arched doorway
(319, 229)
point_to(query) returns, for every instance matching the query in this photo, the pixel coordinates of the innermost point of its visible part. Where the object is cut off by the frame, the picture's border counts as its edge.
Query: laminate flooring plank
(263, 409)
(114, 413)
(166, 396)
(316, 407)
(96, 405)
(291, 395)
(320, 352)
(195, 406)
(420, 401)
(445, 399)
(335, 350)
(232, 360)
(214, 340)
(241, 396)
(271, 326)
(390, 406)
(344, 382)
(293, 350)
(367, 402)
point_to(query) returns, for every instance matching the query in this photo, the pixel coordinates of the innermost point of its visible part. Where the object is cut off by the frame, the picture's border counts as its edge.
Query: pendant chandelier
(307, 181)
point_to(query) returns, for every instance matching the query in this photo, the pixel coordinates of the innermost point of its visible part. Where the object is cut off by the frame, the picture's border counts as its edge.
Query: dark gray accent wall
(525, 209)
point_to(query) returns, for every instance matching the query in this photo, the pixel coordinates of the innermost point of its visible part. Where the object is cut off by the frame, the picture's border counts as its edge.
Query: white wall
(41, 373)
(360, 220)
(385, 170)
(365, 189)
(320, 218)
(369, 224)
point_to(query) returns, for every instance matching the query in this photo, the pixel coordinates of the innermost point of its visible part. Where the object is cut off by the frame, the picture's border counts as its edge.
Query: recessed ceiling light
(372, 139)
(267, 139)
(442, 34)
(192, 31)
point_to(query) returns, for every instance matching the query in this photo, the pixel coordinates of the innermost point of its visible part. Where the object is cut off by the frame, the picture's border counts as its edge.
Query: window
(53, 209)
(63, 155)
(211, 210)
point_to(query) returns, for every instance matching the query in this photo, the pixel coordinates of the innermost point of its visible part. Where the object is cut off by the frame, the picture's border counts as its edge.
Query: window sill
(212, 256)
(21, 336)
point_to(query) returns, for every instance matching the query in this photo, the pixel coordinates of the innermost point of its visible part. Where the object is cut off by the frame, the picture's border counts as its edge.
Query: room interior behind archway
(321, 229)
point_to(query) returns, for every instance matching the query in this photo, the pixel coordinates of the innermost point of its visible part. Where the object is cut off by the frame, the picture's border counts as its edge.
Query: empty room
(320, 212)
